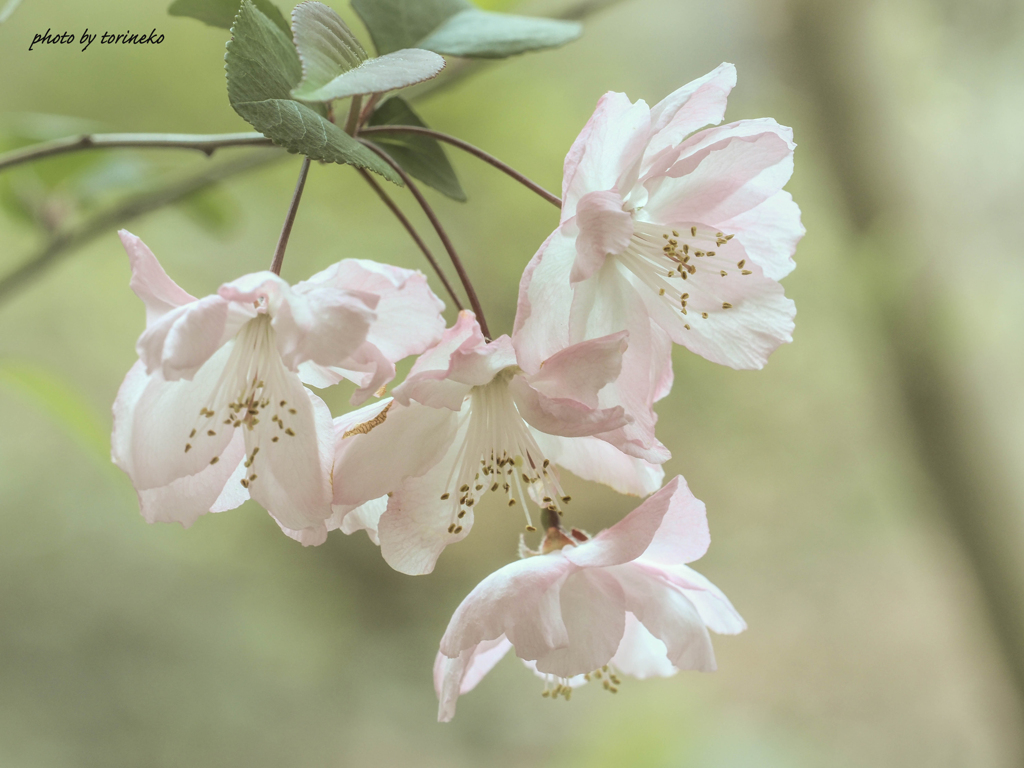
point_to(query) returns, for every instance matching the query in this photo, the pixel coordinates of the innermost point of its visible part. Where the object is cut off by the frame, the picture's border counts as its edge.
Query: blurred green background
(864, 490)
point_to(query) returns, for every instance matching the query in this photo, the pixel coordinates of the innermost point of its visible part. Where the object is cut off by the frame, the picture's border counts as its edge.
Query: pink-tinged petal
(769, 234)
(430, 381)
(520, 601)
(165, 416)
(691, 152)
(418, 523)
(188, 498)
(313, 536)
(346, 519)
(582, 370)
(158, 292)
(661, 356)
(545, 297)
(479, 366)
(408, 314)
(594, 613)
(184, 499)
(721, 181)
(263, 288)
(632, 535)
(433, 392)
(454, 677)
(378, 456)
(234, 494)
(365, 517)
(367, 367)
(698, 103)
(323, 324)
(605, 304)
(668, 615)
(563, 416)
(183, 339)
(291, 477)
(683, 535)
(465, 334)
(604, 229)
(748, 314)
(594, 459)
(641, 654)
(607, 150)
(713, 606)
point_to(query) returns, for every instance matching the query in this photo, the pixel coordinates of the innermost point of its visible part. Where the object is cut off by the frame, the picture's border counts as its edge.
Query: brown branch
(207, 144)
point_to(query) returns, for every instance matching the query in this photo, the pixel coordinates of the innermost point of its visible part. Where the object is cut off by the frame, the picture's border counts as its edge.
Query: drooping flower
(690, 231)
(469, 419)
(623, 601)
(215, 410)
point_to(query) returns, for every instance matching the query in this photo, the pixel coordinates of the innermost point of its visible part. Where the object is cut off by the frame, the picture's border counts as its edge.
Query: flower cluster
(668, 235)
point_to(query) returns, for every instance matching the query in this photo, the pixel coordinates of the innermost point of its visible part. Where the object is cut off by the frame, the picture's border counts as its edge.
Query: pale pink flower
(690, 234)
(623, 599)
(215, 410)
(470, 419)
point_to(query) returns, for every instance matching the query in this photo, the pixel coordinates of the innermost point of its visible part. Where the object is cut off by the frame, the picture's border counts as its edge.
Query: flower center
(246, 390)
(664, 259)
(498, 453)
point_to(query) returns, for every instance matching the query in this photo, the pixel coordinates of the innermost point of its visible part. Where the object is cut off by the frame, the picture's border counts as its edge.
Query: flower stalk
(404, 221)
(286, 229)
(467, 284)
(465, 146)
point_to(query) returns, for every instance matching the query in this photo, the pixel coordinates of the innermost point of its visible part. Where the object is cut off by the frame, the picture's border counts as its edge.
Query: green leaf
(262, 68)
(325, 44)
(221, 13)
(458, 28)
(421, 156)
(335, 65)
(488, 35)
(60, 401)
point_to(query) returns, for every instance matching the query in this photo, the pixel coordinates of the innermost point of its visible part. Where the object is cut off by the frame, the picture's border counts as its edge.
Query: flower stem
(413, 234)
(207, 144)
(286, 230)
(354, 110)
(474, 300)
(475, 151)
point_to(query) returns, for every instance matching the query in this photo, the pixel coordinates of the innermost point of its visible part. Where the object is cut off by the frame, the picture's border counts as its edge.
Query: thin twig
(286, 229)
(393, 206)
(60, 244)
(207, 144)
(467, 284)
(465, 146)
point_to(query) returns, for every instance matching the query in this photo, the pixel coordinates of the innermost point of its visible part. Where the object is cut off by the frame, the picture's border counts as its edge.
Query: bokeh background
(865, 490)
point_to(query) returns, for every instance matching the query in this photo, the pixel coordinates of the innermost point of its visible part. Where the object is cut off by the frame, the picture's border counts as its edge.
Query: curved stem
(207, 144)
(64, 242)
(354, 111)
(465, 146)
(286, 230)
(474, 300)
(412, 233)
